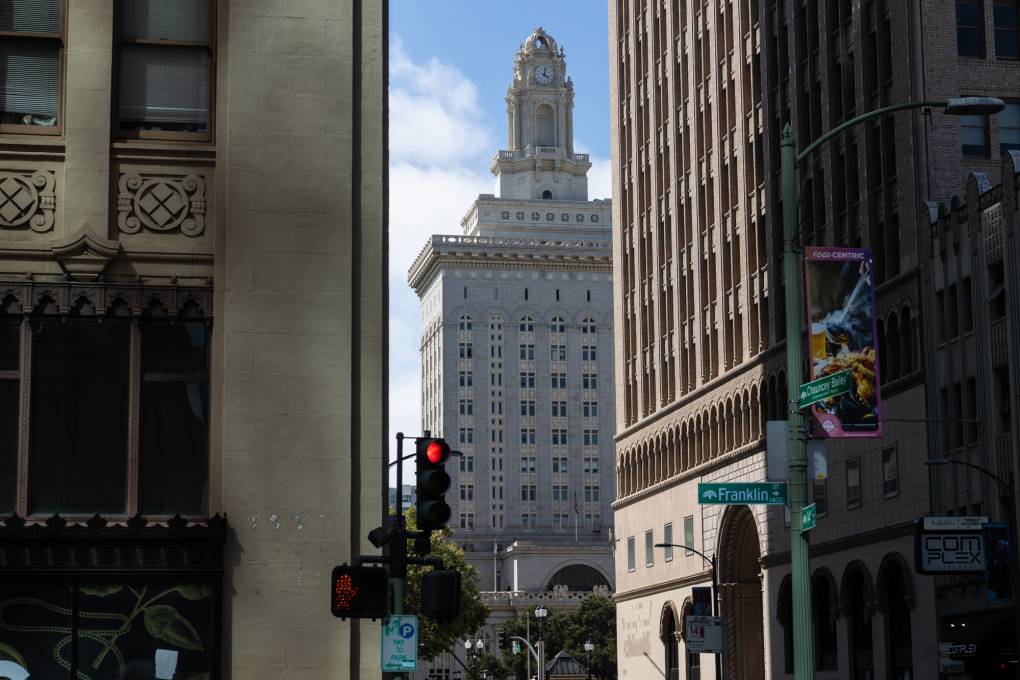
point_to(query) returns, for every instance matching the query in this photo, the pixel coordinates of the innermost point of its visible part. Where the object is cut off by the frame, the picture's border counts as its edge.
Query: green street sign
(808, 517)
(825, 387)
(740, 493)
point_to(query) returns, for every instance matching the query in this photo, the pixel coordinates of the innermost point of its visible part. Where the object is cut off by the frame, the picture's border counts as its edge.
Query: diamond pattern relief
(27, 199)
(161, 203)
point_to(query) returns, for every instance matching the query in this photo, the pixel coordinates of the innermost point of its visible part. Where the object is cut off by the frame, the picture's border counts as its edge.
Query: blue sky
(450, 65)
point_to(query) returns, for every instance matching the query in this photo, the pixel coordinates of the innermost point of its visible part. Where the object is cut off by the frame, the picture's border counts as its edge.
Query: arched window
(527, 324)
(668, 635)
(906, 340)
(895, 600)
(823, 620)
(547, 194)
(464, 323)
(856, 595)
(545, 132)
(588, 325)
(579, 577)
(784, 612)
(557, 325)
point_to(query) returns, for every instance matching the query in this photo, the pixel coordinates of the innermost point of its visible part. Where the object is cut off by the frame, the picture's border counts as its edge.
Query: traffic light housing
(433, 483)
(440, 594)
(504, 640)
(359, 592)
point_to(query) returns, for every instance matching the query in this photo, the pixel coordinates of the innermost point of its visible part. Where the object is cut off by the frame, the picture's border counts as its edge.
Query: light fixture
(541, 612)
(479, 644)
(467, 645)
(588, 646)
(974, 106)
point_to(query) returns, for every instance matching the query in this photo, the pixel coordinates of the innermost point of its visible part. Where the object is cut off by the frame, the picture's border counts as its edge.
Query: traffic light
(440, 594)
(359, 592)
(504, 640)
(433, 483)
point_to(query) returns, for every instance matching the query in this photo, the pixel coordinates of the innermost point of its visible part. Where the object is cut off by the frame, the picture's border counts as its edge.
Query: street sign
(827, 386)
(951, 545)
(740, 493)
(809, 517)
(400, 643)
(704, 634)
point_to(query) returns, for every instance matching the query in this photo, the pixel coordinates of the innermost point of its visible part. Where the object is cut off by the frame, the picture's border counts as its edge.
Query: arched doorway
(669, 633)
(740, 591)
(857, 598)
(578, 577)
(896, 599)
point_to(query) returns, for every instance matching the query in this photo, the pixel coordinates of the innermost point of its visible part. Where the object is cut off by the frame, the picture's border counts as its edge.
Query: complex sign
(704, 634)
(950, 545)
(738, 493)
(400, 643)
(842, 338)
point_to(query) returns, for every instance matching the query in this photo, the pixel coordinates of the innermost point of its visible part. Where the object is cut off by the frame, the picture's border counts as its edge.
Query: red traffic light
(437, 451)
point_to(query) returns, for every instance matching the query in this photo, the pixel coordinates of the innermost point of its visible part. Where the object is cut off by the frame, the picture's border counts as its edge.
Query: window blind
(178, 20)
(30, 78)
(30, 16)
(164, 85)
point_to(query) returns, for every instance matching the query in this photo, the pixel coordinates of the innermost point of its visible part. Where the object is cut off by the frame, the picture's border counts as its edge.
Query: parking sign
(400, 643)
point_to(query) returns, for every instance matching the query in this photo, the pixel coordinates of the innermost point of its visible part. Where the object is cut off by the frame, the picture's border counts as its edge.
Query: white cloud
(439, 151)
(600, 177)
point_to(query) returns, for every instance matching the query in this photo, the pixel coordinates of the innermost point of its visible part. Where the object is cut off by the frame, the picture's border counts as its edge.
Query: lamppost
(541, 613)
(473, 650)
(715, 590)
(589, 647)
(1014, 549)
(803, 664)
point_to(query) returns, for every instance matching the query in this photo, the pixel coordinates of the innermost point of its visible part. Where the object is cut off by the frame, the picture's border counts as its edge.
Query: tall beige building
(700, 92)
(193, 286)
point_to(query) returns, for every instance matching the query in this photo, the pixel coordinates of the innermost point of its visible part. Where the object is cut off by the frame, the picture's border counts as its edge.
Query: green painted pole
(800, 568)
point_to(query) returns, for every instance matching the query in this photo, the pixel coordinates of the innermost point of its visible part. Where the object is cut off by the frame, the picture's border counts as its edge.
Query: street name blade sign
(704, 634)
(400, 643)
(827, 386)
(809, 517)
(740, 493)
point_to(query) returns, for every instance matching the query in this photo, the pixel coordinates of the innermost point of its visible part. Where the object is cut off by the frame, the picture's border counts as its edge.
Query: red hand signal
(345, 591)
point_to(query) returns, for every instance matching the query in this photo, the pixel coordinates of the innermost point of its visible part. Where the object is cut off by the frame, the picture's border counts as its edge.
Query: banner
(842, 334)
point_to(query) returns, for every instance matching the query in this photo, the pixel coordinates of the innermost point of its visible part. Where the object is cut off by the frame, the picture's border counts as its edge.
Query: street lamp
(803, 664)
(589, 647)
(715, 589)
(1014, 550)
(541, 613)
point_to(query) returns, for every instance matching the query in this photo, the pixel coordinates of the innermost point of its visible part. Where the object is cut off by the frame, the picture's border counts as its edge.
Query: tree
(436, 637)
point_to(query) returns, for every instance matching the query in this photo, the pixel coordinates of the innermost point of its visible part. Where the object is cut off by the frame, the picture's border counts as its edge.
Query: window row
(975, 131)
(529, 464)
(527, 324)
(164, 52)
(970, 28)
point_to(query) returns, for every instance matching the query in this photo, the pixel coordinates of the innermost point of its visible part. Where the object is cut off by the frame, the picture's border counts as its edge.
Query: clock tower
(540, 162)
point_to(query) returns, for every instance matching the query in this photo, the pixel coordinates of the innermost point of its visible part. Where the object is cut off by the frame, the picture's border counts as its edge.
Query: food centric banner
(842, 335)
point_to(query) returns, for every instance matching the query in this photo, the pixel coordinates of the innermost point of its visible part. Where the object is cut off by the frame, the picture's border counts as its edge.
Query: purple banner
(842, 335)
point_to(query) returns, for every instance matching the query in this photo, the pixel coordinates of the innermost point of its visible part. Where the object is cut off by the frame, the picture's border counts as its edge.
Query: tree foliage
(435, 637)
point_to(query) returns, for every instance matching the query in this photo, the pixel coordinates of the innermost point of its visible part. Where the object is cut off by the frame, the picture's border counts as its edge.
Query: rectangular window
(467, 407)
(588, 353)
(467, 463)
(165, 56)
(80, 380)
(1007, 30)
(466, 435)
(528, 380)
(589, 381)
(558, 381)
(527, 464)
(467, 520)
(467, 492)
(821, 489)
(31, 63)
(527, 352)
(10, 401)
(560, 492)
(559, 409)
(527, 436)
(464, 350)
(527, 408)
(558, 352)
(667, 538)
(649, 548)
(559, 464)
(890, 472)
(174, 418)
(528, 492)
(970, 28)
(560, 520)
(559, 437)
(591, 437)
(631, 556)
(591, 494)
(591, 466)
(590, 409)
(466, 379)
(689, 534)
(1009, 127)
(853, 483)
(974, 135)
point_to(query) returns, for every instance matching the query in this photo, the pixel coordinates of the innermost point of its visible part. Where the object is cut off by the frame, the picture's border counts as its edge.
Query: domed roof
(539, 41)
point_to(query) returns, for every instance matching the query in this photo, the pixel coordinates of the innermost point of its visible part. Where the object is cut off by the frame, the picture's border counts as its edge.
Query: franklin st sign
(738, 493)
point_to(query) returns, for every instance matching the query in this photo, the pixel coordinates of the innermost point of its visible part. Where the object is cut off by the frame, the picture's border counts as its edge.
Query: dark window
(890, 472)
(824, 620)
(853, 482)
(165, 57)
(1009, 127)
(174, 419)
(31, 46)
(78, 459)
(974, 135)
(10, 388)
(970, 28)
(1007, 30)
(547, 194)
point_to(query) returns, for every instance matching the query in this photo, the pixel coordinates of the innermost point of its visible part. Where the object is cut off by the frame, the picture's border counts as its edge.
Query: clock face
(543, 75)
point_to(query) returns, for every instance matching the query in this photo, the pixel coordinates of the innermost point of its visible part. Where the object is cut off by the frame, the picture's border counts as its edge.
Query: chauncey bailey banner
(840, 294)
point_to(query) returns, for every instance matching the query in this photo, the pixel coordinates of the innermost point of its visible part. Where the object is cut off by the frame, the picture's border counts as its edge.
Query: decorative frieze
(27, 198)
(161, 203)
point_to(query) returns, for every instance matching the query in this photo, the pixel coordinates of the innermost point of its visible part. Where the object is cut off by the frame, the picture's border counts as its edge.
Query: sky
(450, 65)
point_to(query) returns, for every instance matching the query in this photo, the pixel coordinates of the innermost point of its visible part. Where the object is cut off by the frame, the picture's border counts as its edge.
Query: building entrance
(740, 590)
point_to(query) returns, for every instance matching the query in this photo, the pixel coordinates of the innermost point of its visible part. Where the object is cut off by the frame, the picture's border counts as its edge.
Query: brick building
(700, 92)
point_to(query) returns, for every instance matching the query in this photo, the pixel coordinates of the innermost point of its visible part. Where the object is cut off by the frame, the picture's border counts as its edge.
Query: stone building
(699, 96)
(517, 337)
(192, 277)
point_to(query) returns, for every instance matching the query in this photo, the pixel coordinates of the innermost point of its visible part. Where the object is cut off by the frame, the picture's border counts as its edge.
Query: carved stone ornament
(27, 199)
(85, 255)
(161, 203)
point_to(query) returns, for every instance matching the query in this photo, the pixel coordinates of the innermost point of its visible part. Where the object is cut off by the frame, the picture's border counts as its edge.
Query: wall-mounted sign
(842, 337)
(949, 545)
(704, 634)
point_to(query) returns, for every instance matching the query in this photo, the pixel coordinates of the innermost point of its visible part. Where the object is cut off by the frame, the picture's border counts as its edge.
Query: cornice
(656, 588)
(845, 543)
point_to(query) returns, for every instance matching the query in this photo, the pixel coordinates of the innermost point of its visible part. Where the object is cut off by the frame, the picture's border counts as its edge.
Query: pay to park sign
(740, 493)
(400, 643)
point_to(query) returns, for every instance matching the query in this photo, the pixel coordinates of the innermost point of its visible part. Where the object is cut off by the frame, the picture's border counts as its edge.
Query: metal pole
(541, 658)
(717, 611)
(803, 664)
(398, 551)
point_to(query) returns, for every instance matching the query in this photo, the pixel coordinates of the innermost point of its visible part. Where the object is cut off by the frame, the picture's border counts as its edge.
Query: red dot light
(435, 453)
